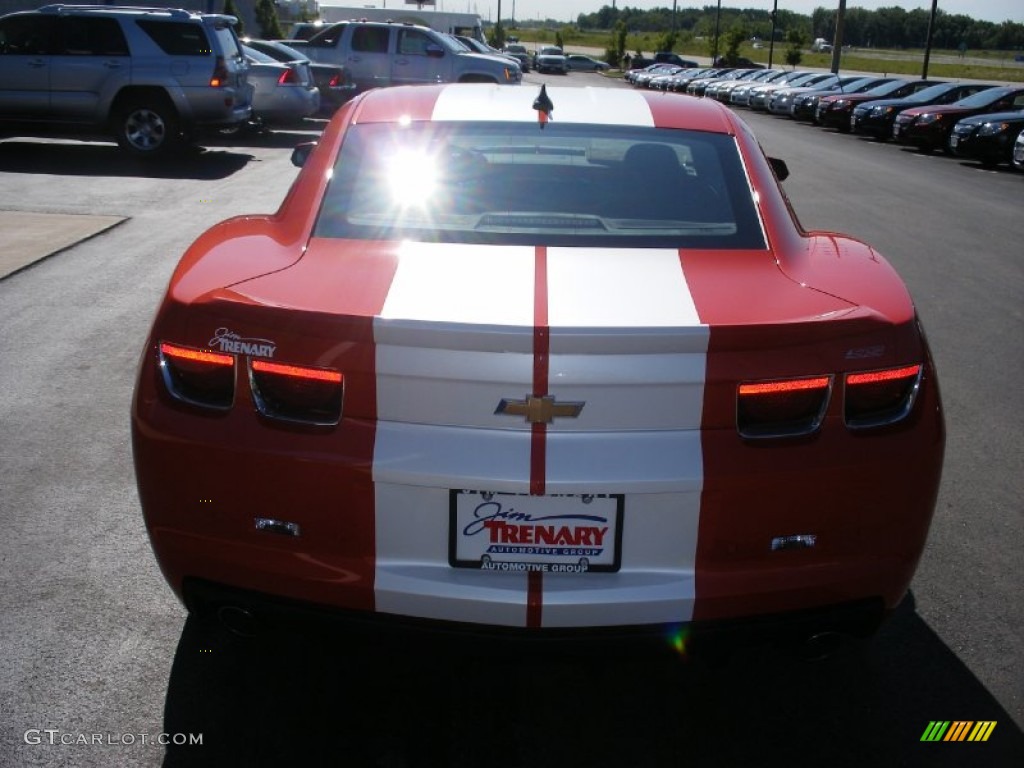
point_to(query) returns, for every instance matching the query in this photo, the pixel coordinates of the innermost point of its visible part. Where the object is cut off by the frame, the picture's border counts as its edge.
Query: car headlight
(993, 129)
(840, 104)
(928, 118)
(882, 110)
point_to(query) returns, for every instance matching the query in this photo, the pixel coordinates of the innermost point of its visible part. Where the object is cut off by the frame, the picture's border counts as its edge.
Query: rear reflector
(198, 376)
(297, 393)
(782, 407)
(878, 398)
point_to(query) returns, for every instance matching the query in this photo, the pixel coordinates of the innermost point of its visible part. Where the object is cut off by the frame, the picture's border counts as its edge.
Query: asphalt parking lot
(99, 658)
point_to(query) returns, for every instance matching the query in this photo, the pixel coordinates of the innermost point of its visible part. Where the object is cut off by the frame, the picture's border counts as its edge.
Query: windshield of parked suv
(512, 183)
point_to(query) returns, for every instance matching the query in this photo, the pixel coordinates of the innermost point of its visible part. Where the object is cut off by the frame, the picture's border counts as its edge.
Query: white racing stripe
(625, 338)
(453, 338)
(615, 287)
(644, 371)
(603, 106)
(477, 285)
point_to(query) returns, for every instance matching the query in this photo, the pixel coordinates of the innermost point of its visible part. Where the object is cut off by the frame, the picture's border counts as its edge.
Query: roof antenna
(543, 106)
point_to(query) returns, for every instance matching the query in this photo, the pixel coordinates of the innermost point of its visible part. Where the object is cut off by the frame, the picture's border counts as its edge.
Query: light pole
(837, 41)
(771, 43)
(718, 20)
(928, 45)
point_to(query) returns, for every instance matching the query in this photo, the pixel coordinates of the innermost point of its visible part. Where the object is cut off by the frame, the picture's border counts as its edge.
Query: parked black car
(929, 128)
(987, 138)
(876, 118)
(836, 111)
(806, 106)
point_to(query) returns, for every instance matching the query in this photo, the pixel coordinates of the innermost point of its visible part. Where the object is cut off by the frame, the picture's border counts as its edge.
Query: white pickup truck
(381, 54)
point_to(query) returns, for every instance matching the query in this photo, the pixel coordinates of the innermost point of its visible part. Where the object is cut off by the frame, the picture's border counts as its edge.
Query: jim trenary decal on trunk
(226, 340)
(550, 534)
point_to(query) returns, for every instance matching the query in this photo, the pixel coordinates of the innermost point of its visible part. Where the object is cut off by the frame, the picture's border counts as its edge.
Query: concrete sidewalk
(25, 238)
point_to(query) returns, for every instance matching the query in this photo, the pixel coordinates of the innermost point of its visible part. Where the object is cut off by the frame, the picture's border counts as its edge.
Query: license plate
(507, 532)
(853, 122)
(954, 140)
(895, 131)
(1018, 155)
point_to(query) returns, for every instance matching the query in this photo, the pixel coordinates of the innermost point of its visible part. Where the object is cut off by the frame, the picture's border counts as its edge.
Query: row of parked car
(977, 121)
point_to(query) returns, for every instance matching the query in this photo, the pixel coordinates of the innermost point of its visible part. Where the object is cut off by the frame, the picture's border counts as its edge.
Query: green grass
(1001, 69)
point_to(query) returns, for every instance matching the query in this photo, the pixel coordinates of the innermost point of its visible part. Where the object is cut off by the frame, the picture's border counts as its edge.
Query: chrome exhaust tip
(238, 621)
(822, 645)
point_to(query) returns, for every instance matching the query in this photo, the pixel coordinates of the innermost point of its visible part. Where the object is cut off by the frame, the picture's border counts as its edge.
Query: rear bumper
(254, 614)
(703, 510)
(216, 107)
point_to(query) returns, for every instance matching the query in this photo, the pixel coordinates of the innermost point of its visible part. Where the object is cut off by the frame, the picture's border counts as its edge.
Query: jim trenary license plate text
(553, 534)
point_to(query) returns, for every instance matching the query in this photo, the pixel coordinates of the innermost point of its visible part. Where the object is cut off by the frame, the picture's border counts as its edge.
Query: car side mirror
(779, 167)
(301, 153)
(435, 51)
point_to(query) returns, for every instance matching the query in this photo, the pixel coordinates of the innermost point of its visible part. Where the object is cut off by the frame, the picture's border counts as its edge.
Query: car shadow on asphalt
(280, 138)
(1004, 169)
(310, 699)
(107, 160)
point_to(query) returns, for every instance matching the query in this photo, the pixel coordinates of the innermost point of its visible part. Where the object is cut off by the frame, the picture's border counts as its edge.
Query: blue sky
(989, 10)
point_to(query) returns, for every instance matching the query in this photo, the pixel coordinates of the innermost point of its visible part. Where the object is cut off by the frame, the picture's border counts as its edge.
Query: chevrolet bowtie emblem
(539, 410)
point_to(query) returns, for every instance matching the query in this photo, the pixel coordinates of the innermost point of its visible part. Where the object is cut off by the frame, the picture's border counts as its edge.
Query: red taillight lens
(198, 376)
(782, 407)
(288, 77)
(878, 398)
(220, 74)
(297, 393)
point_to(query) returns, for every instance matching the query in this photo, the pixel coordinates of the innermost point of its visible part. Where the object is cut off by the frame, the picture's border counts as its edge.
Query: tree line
(883, 28)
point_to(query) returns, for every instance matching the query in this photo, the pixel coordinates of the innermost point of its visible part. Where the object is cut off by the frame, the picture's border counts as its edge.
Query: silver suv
(152, 77)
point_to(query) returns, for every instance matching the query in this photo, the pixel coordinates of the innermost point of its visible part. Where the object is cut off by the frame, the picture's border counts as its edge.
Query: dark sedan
(876, 118)
(806, 106)
(929, 128)
(334, 82)
(987, 138)
(837, 111)
(581, 63)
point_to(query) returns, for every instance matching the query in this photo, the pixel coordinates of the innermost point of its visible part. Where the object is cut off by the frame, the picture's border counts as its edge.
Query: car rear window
(512, 183)
(177, 38)
(227, 40)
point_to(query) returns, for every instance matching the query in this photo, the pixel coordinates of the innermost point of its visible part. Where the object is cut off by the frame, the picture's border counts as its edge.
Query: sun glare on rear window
(511, 183)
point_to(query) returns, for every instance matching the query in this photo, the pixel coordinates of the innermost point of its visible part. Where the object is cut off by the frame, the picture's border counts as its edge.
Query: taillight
(877, 398)
(782, 407)
(336, 81)
(288, 77)
(198, 376)
(297, 393)
(220, 74)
